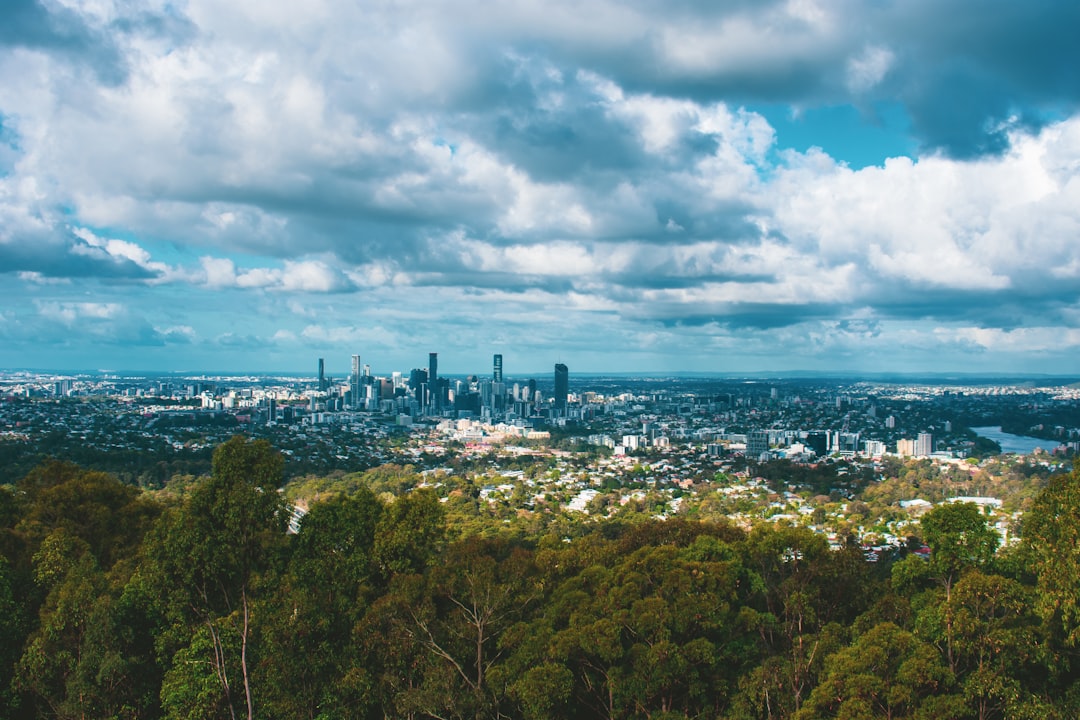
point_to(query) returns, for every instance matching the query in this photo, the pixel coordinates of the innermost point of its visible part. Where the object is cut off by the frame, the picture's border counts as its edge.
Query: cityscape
(576, 359)
(598, 444)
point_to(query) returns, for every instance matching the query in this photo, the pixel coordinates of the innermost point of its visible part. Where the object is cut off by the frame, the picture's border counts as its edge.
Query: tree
(1051, 532)
(642, 625)
(803, 595)
(331, 580)
(960, 537)
(887, 673)
(88, 656)
(68, 571)
(996, 643)
(457, 614)
(208, 555)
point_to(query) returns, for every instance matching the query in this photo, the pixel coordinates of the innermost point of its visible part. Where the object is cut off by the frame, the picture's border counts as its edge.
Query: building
(818, 441)
(874, 448)
(562, 387)
(757, 444)
(497, 369)
(418, 383)
(322, 375)
(354, 381)
(924, 445)
(433, 381)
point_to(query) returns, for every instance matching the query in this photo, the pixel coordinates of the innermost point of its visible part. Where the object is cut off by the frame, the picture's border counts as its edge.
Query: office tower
(818, 442)
(354, 381)
(924, 445)
(418, 383)
(322, 375)
(532, 391)
(757, 444)
(562, 386)
(433, 379)
(496, 372)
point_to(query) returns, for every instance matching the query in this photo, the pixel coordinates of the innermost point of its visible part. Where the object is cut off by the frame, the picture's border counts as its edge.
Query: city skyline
(843, 186)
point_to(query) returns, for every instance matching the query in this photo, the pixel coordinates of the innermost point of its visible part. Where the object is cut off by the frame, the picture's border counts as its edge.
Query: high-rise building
(562, 386)
(924, 444)
(757, 444)
(354, 381)
(818, 441)
(433, 380)
(496, 371)
(418, 383)
(322, 375)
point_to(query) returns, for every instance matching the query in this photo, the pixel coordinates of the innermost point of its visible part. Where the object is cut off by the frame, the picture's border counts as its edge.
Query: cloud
(866, 70)
(69, 313)
(62, 326)
(295, 276)
(280, 169)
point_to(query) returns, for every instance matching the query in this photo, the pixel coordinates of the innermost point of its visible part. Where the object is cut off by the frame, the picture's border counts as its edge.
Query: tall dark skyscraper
(354, 381)
(496, 371)
(322, 375)
(562, 386)
(433, 379)
(418, 383)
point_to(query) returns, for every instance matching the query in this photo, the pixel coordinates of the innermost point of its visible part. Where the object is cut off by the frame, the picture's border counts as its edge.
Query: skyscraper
(322, 375)
(924, 444)
(433, 380)
(496, 372)
(562, 386)
(418, 383)
(354, 381)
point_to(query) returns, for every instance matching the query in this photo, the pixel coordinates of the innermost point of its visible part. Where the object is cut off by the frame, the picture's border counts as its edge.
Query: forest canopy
(117, 602)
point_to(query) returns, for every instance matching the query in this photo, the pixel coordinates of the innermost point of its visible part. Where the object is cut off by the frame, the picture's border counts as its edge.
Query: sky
(854, 186)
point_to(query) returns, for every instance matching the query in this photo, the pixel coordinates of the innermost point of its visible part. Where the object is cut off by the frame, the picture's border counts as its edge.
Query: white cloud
(37, 278)
(868, 69)
(71, 312)
(585, 156)
(1018, 340)
(295, 276)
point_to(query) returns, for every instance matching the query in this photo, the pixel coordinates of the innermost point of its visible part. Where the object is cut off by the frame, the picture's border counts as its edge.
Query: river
(1020, 444)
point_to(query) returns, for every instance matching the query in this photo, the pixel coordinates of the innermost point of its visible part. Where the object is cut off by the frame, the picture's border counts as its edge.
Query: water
(1020, 444)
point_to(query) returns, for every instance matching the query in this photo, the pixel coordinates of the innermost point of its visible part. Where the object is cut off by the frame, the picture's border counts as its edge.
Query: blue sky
(849, 185)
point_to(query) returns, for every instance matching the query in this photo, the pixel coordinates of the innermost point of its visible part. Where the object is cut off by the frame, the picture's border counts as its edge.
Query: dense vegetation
(193, 602)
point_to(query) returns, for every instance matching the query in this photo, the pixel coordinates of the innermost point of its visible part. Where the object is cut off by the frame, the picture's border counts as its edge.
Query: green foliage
(960, 537)
(208, 556)
(887, 673)
(115, 606)
(1052, 534)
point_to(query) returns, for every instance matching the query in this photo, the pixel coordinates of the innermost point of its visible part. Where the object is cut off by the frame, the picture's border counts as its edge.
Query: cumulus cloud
(71, 312)
(294, 276)
(609, 163)
(867, 69)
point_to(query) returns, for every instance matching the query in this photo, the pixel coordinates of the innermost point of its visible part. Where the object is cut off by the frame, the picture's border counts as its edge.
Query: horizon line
(724, 374)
